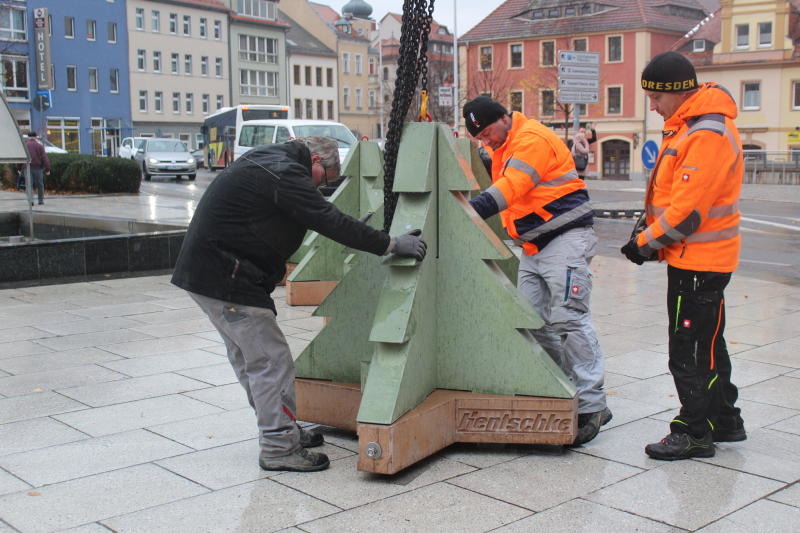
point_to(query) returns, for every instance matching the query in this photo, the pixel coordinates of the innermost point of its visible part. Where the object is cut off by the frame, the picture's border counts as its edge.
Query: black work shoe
(677, 446)
(588, 426)
(300, 461)
(721, 434)
(310, 439)
(607, 415)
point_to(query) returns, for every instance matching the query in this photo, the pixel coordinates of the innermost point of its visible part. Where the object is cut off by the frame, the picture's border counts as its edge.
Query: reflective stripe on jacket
(535, 186)
(692, 199)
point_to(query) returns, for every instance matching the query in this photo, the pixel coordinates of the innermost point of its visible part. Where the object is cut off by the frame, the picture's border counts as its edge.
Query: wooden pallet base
(445, 417)
(308, 292)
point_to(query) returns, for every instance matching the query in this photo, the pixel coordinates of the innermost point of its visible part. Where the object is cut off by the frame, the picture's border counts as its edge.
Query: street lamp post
(455, 65)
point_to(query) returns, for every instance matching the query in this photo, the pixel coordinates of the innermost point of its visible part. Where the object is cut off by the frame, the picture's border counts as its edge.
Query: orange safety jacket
(535, 187)
(692, 202)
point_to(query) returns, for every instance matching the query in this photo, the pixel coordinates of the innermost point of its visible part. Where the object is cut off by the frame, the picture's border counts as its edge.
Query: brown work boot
(300, 461)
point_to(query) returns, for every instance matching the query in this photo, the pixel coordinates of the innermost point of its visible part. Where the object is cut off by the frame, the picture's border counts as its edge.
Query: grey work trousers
(37, 182)
(558, 284)
(264, 366)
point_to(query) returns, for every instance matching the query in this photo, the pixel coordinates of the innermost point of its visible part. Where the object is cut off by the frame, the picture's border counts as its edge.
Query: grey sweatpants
(558, 284)
(264, 366)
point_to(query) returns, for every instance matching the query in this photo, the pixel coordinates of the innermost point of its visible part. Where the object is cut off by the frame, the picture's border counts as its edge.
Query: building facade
(18, 86)
(179, 66)
(257, 53)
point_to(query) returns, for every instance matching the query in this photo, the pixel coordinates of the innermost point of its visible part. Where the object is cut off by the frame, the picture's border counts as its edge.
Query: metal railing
(779, 167)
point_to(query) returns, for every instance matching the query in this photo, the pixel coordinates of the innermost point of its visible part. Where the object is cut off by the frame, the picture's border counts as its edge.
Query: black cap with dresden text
(669, 72)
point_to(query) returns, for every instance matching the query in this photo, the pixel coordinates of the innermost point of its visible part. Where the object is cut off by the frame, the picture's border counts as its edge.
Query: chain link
(411, 64)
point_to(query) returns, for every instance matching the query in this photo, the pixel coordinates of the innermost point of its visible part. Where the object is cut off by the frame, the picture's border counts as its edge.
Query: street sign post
(445, 96)
(578, 79)
(578, 58)
(649, 154)
(577, 97)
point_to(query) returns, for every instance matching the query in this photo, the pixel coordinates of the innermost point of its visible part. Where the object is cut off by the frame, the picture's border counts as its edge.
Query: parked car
(129, 146)
(165, 157)
(253, 133)
(51, 148)
(199, 158)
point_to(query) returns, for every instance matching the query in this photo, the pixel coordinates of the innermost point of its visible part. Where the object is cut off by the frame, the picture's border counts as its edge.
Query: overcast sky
(470, 12)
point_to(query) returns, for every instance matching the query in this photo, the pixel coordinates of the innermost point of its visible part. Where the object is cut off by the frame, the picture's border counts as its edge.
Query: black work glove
(631, 251)
(410, 245)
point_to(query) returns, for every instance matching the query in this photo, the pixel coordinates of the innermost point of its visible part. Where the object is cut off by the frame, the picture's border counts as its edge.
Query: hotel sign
(41, 36)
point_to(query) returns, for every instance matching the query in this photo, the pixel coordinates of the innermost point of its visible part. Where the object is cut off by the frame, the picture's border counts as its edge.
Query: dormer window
(569, 11)
(538, 14)
(698, 45)
(553, 13)
(586, 9)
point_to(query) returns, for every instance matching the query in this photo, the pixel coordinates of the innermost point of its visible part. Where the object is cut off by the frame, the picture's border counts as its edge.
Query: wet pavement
(119, 411)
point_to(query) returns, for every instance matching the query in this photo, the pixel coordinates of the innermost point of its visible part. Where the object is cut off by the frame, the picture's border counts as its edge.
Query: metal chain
(411, 63)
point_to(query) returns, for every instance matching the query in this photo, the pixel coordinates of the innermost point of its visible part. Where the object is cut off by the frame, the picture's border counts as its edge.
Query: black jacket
(252, 218)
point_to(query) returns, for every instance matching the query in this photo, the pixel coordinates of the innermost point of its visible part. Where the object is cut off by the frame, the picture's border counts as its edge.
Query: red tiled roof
(512, 19)
(327, 13)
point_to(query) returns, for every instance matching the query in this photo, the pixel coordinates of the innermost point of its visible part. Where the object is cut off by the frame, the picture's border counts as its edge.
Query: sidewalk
(119, 410)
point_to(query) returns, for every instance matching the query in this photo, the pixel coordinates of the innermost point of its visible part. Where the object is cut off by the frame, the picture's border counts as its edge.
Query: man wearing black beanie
(544, 207)
(692, 219)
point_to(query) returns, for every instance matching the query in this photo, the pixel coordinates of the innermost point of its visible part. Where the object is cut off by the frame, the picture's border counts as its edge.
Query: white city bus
(220, 129)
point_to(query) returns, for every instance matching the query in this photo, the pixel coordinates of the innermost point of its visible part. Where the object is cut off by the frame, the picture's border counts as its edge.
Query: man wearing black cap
(692, 218)
(544, 207)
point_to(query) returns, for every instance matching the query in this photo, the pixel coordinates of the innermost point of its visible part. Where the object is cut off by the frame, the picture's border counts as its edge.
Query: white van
(257, 132)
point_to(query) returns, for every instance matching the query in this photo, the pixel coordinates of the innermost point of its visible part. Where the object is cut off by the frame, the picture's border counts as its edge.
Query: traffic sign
(578, 58)
(578, 71)
(584, 84)
(445, 96)
(649, 154)
(577, 97)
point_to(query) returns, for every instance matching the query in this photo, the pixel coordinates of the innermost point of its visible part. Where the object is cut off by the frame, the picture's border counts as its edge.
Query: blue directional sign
(649, 154)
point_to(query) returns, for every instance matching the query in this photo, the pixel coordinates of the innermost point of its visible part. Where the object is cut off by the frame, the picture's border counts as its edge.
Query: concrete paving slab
(440, 507)
(565, 477)
(790, 425)
(23, 333)
(625, 444)
(27, 435)
(56, 379)
(20, 348)
(228, 397)
(157, 364)
(658, 390)
(85, 325)
(765, 453)
(94, 498)
(626, 410)
(35, 405)
(581, 516)
(762, 515)
(670, 494)
(785, 353)
(135, 415)
(781, 391)
(746, 372)
(10, 484)
(131, 389)
(211, 430)
(219, 374)
(125, 309)
(790, 495)
(484, 455)
(85, 457)
(168, 317)
(639, 364)
(93, 339)
(259, 506)
(56, 360)
(149, 346)
(755, 414)
(187, 327)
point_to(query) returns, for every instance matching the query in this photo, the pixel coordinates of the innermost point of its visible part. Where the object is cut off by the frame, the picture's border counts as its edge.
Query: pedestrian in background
(579, 147)
(39, 165)
(545, 209)
(250, 220)
(692, 218)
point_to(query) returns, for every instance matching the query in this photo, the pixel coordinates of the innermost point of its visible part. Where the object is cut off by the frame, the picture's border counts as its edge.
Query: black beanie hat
(480, 113)
(669, 72)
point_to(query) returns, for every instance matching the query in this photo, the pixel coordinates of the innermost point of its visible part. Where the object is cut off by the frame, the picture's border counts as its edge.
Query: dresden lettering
(684, 85)
(504, 421)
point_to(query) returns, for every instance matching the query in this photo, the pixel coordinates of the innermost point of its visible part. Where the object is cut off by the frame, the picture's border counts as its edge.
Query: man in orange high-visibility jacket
(692, 217)
(545, 209)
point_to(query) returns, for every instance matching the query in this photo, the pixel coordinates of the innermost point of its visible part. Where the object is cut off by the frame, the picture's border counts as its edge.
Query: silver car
(165, 157)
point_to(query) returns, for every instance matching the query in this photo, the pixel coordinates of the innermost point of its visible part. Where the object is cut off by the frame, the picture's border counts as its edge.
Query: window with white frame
(320, 109)
(548, 102)
(204, 65)
(15, 77)
(141, 60)
(515, 101)
(64, 133)
(218, 67)
(258, 83)
(158, 102)
(330, 109)
(12, 24)
(796, 95)
(176, 103)
(346, 62)
(260, 49)
(203, 28)
(262, 9)
(220, 101)
(699, 45)
(329, 77)
(358, 64)
(69, 27)
(139, 18)
(485, 58)
(143, 101)
(614, 100)
(218, 30)
(310, 108)
(187, 25)
(298, 108)
(113, 80)
(373, 65)
(346, 97)
(72, 78)
(764, 34)
(614, 44)
(155, 21)
(93, 82)
(751, 95)
(372, 99)
(742, 35)
(174, 61)
(187, 64)
(205, 104)
(156, 61)
(91, 30)
(358, 97)
(308, 75)
(173, 23)
(318, 72)
(189, 101)
(112, 32)
(515, 55)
